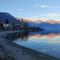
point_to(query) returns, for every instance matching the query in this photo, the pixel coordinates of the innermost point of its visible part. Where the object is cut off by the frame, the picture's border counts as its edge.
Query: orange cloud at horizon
(39, 20)
(48, 36)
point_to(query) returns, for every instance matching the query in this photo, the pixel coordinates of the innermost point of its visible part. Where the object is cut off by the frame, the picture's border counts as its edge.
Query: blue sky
(32, 8)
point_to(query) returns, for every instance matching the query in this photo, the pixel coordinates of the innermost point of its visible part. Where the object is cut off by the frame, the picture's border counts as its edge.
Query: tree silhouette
(6, 21)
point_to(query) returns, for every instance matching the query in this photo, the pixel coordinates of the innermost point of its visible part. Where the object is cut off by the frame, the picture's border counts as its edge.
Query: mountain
(45, 25)
(6, 16)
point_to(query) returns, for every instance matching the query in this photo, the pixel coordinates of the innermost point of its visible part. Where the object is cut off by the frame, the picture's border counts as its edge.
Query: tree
(6, 21)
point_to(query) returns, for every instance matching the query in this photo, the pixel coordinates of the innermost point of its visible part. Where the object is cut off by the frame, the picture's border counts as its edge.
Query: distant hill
(6, 16)
(47, 24)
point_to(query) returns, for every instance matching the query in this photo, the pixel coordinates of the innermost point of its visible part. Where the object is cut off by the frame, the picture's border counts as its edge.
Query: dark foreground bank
(12, 51)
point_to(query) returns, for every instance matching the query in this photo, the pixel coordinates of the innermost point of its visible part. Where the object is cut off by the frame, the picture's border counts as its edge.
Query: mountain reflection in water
(47, 41)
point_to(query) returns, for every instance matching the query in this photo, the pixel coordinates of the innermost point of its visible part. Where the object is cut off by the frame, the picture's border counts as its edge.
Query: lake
(47, 41)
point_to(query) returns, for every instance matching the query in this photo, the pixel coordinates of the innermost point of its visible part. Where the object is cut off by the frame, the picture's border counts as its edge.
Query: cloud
(19, 9)
(46, 6)
(42, 6)
(48, 16)
(52, 15)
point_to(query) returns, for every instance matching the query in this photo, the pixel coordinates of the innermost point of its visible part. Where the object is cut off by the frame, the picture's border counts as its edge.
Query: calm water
(47, 41)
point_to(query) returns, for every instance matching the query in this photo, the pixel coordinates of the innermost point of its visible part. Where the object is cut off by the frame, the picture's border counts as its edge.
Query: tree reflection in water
(22, 35)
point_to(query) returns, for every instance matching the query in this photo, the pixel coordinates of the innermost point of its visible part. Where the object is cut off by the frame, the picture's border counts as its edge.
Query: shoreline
(19, 52)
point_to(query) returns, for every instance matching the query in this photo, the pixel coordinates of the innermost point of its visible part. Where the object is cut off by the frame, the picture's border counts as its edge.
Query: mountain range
(46, 24)
(6, 16)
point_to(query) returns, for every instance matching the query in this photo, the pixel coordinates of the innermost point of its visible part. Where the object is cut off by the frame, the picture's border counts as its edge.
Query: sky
(32, 8)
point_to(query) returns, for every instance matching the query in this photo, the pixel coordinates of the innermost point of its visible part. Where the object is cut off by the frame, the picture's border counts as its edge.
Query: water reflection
(21, 34)
(24, 35)
(49, 44)
(47, 41)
